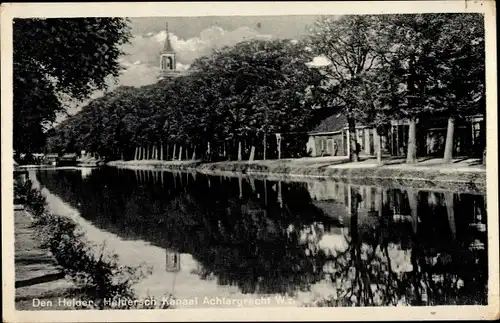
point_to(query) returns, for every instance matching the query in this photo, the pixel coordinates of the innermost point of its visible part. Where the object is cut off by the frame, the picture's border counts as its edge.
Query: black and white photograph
(245, 161)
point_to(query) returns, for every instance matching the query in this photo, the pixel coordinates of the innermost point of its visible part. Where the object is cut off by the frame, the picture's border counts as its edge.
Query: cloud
(141, 62)
(141, 59)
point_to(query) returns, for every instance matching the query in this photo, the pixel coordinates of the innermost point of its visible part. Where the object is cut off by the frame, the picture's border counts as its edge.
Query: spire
(167, 48)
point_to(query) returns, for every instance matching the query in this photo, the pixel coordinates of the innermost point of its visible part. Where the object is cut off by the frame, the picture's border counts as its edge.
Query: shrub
(99, 278)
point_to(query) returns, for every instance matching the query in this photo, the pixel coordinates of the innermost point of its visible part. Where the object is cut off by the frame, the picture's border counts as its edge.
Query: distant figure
(322, 153)
(335, 148)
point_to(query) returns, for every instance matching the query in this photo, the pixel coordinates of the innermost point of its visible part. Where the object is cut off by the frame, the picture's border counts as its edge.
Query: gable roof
(333, 123)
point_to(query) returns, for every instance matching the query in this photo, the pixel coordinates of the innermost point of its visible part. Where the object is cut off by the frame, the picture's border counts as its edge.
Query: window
(167, 62)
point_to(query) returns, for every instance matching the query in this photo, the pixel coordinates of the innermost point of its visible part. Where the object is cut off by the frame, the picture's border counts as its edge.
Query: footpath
(460, 175)
(39, 280)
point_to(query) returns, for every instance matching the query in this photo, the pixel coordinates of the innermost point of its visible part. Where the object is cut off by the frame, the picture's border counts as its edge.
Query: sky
(194, 37)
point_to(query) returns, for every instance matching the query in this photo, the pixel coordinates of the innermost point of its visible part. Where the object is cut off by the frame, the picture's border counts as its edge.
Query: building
(330, 137)
(168, 60)
(51, 159)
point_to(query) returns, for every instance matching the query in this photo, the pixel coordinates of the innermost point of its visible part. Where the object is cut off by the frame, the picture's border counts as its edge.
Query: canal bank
(39, 279)
(466, 175)
(57, 252)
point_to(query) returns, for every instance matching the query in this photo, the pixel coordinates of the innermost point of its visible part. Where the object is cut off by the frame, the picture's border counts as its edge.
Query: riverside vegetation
(98, 276)
(232, 102)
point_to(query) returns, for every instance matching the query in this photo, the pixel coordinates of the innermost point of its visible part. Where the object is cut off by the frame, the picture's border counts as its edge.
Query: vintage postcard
(245, 161)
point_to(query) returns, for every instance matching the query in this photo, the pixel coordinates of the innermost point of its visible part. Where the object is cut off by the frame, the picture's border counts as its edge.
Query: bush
(98, 277)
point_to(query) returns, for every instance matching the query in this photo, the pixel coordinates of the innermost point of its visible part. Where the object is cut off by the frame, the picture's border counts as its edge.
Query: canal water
(237, 241)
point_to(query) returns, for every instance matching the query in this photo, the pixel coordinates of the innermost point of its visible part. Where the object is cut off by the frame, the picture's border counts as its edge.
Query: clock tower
(168, 60)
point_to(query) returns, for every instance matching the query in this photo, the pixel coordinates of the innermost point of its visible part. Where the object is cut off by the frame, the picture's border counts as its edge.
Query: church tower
(167, 59)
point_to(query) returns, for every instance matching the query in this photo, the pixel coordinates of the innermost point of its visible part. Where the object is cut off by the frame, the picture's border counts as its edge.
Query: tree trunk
(161, 151)
(448, 148)
(173, 155)
(354, 146)
(252, 184)
(240, 186)
(280, 195)
(194, 155)
(252, 154)
(378, 147)
(264, 144)
(121, 155)
(136, 153)
(180, 153)
(239, 151)
(265, 192)
(413, 203)
(411, 157)
(450, 208)
(279, 148)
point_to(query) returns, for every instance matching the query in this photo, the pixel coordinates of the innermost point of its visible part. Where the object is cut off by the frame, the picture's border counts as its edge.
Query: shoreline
(459, 176)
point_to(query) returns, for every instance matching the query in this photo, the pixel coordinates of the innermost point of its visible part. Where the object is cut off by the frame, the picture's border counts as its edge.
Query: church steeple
(167, 47)
(167, 59)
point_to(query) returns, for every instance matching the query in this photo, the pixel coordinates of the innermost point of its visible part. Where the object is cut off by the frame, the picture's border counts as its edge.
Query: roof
(167, 47)
(333, 123)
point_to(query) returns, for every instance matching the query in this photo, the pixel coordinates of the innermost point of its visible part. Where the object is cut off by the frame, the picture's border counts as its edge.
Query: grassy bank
(461, 175)
(98, 277)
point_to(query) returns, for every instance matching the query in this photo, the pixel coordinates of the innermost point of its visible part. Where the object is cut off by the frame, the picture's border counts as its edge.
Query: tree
(257, 88)
(461, 71)
(405, 42)
(56, 60)
(347, 43)
(437, 64)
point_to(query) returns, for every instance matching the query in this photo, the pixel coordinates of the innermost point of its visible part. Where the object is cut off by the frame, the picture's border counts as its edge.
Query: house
(330, 137)
(51, 159)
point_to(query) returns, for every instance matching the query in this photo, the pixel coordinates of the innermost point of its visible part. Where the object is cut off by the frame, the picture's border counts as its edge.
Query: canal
(315, 242)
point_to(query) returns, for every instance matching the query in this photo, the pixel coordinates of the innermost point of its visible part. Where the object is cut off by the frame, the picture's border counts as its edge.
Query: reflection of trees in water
(270, 238)
(435, 269)
(238, 240)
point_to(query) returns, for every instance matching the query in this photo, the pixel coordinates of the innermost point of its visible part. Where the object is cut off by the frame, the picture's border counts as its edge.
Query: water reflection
(340, 244)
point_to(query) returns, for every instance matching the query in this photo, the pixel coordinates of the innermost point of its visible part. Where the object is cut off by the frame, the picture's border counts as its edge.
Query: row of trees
(230, 102)
(380, 68)
(404, 67)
